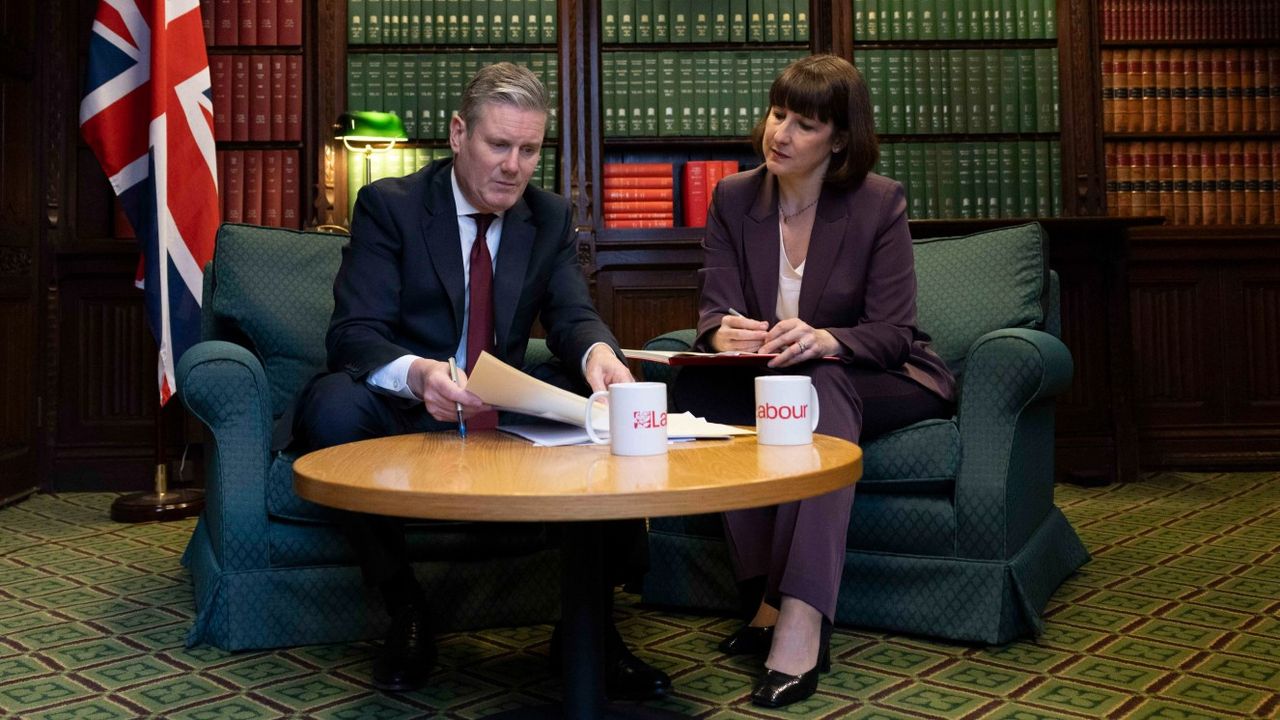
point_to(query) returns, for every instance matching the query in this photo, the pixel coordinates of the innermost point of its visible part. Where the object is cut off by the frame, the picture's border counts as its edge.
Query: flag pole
(162, 503)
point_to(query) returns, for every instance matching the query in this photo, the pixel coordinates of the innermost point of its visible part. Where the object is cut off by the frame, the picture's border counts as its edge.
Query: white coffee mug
(786, 410)
(637, 418)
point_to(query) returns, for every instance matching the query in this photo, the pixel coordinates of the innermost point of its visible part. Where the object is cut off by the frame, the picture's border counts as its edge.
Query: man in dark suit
(459, 257)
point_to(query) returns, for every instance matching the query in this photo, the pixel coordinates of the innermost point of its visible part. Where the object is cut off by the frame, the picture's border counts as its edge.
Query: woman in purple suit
(813, 250)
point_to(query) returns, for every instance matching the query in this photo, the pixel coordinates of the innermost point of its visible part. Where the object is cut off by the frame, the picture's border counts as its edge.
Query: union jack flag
(147, 112)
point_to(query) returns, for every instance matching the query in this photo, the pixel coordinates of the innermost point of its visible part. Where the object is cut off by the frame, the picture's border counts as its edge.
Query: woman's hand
(739, 334)
(796, 341)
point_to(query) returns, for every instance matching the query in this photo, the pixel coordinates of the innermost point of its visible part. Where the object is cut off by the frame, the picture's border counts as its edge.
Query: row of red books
(1211, 90)
(252, 22)
(1195, 183)
(639, 195)
(260, 187)
(257, 97)
(700, 178)
(1190, 19)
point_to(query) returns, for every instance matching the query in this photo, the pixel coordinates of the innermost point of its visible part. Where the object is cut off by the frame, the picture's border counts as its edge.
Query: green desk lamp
(367, 132)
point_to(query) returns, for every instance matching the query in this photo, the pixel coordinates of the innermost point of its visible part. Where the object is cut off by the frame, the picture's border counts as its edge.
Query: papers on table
(506, 388)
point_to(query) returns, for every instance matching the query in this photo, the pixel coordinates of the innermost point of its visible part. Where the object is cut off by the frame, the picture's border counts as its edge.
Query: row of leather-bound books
(1204, 89)
(1195, 183)
(1190, 19)
(252, 22)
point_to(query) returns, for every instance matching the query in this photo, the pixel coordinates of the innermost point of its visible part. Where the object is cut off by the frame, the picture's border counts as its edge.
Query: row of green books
(451, 22)
(704, 21)
(404, 160)
(423, 88)
(1017, 178)
(963, 91)
(954, 19)
(697, 94)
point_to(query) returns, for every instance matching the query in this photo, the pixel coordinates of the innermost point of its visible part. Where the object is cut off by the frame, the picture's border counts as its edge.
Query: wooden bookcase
(1202, 288)
(258, 76)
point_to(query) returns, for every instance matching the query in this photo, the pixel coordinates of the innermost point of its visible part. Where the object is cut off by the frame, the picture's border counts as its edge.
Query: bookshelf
(256, 67)
(681, 85)
(966, 102)
(1191, 111)
(1191, 134)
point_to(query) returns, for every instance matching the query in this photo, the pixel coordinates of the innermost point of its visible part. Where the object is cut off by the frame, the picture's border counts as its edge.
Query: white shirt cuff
(587, 354)
(393, 378)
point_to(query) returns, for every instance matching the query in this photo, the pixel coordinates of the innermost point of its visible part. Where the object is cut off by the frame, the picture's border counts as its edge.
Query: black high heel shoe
(777, 689)
(748, 640)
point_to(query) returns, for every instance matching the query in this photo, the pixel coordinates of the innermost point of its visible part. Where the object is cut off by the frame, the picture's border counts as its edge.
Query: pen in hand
(453, 375)
(735, 313)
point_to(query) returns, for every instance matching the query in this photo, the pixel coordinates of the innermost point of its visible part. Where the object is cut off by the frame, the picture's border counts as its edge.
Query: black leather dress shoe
(626, 677)
(748, 640)
(407, 653)
(777, 689)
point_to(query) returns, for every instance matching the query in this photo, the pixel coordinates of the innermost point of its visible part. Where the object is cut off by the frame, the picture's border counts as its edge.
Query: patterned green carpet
(1178, 616)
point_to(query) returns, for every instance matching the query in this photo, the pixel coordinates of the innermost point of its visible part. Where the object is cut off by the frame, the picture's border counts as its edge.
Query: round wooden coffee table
(495, 477)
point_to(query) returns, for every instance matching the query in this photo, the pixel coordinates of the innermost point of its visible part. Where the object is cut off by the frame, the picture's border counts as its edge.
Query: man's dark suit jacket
(400, 289)
(859, 274)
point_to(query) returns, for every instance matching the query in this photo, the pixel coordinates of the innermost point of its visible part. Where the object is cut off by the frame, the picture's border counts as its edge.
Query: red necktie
(480, 316)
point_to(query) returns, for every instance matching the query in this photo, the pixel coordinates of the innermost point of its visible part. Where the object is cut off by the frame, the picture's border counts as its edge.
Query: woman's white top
(789, 279)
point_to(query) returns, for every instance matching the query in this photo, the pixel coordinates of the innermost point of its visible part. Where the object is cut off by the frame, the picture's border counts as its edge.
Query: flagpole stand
(162, 504)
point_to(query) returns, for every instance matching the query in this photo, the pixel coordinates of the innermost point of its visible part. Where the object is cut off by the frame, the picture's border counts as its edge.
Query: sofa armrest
(1005, 484)
(224, 386)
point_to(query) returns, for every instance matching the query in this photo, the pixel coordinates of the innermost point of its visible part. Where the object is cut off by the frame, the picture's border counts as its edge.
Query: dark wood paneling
(1080, 100)
(639, 304)
(107, 397)
(20, 266)
(1253, 373)
(1173, 346)
(1206, 343)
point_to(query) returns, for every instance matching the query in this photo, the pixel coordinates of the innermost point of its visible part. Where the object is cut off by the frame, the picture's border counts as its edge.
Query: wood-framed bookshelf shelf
(254, 50)
(680, 141)
(1192, 135)
(704, 47)
(1011, 44)
(442, 49)
(1190, 43)
(963, 137)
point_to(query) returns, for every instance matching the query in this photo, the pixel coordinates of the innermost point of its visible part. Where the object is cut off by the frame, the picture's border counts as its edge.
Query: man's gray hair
(505, 83)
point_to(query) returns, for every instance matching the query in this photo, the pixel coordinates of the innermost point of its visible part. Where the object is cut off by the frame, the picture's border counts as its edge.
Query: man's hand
(604, 369)
(739, 334)
(429, 380)
(796, 341)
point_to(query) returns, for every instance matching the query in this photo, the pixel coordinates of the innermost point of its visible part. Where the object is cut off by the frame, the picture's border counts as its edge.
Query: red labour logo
(769, 411)
(648, 419)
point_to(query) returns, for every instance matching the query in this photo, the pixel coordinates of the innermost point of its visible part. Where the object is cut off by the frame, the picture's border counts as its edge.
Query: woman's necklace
(787, 216)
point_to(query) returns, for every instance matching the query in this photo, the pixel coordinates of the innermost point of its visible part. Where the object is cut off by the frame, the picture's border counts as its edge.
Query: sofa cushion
(283, 315)
(919, 458)
(955, 311)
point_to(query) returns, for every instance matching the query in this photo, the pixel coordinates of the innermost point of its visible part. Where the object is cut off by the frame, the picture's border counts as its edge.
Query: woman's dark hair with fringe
(829, 88)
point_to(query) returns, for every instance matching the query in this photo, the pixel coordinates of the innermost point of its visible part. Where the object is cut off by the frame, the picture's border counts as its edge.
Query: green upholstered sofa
(269, 568)
(954, 533)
